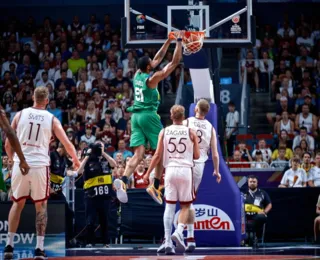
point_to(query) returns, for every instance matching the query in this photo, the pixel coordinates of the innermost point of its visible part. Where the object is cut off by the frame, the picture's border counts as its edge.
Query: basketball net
(192, 42)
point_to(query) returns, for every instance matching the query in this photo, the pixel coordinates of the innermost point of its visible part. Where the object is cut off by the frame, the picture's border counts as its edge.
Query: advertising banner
(26, 237)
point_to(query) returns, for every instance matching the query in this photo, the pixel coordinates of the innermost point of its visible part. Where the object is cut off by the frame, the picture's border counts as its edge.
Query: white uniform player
(203, 129)
(178, 162)
(34, 131)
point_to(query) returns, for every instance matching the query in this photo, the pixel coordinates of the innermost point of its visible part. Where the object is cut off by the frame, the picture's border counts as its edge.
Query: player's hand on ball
(24, 167)
(218, 176)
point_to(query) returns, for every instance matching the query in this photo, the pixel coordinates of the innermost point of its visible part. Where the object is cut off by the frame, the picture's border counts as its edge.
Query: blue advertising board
(26, 238)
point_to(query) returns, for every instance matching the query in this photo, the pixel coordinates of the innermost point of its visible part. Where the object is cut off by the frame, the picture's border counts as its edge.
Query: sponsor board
(209, 218)
(235, 28)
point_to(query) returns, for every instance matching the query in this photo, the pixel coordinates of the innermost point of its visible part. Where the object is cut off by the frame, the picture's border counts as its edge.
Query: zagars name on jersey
(36, 117)
(176, 132)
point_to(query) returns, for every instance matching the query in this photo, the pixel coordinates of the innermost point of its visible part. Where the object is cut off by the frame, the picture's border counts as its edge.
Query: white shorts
(198, 169)
(35, 185)
(178, 185)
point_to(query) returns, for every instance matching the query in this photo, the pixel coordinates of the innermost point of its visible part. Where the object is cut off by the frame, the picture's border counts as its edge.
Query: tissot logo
(209, 218)
(236, 19)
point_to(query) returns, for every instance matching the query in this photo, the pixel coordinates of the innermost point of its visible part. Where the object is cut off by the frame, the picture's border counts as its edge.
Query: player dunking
(145, 121)
(178, 145)
(206, 138)
(34, 127)
(13, 140)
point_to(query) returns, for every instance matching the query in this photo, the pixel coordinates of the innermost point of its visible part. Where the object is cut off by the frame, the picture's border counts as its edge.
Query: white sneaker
(179, 239)
(162, 248)
(191, 245)
(121, 190)
(169, 248)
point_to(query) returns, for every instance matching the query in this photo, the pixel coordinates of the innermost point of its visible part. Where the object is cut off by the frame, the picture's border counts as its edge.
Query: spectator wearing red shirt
(237, 161)
(139, 182)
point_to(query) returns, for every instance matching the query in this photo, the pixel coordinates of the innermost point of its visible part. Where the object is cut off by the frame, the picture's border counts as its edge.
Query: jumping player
(178, 145)
(206, 138)
(34, 127)
(145, 121)
(13, 140)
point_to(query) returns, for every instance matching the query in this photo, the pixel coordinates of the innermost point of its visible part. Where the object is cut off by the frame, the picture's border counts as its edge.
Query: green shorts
(145, 127)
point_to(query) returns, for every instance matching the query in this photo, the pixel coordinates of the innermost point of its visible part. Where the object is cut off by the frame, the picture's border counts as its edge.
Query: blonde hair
(41, 94)
(177, 113)
(203, 106)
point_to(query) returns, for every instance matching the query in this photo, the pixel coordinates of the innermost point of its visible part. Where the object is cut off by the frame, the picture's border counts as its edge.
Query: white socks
(180, 228)
(190, 230)
(40, 242)
(10, 239)
(168, 218)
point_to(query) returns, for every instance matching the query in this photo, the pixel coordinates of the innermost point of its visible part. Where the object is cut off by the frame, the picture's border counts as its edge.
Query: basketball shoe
(179, 240)
(191, 245)
(8, 252)
(155, 194)
(121, 190)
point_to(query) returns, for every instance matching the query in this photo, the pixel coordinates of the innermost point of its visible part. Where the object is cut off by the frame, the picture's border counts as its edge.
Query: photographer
(96, 168)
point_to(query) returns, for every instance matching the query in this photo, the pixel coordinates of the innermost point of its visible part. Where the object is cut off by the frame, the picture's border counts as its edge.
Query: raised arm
(157, 156)
(160, 54)
(169, 68)
(12, 144)
(61, 135)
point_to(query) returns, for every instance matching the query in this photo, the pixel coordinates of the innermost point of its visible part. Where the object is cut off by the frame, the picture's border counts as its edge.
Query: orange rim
(187, 34)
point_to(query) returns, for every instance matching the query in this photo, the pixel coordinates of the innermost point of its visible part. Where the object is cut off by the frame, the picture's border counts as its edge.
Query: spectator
(266, 66)
(285, 30)
(52, 108)
(303, 135)
(107, 120)
(116, 111)
(316, 227)
(304, 146)
(122, 149)
(71, 136)
(282, 106)
(285, 124)
(46, 54)
(232, 122)
(44, 80)
(294, 177)
(107, 135)
(285, 86)
(258, 199)
(68, 82)
(245, 153)
(258, 161)
(6, 65)
(250, 66)
(307, 120)
(306, 99)
(314, 173)
(138, 177)
(118, 81)
(64, 67)
(76, 26)
(305, 40)
(122, 124)
(307, 165)
(303, 60)
(280, 160)
(83, 78)
(88, 137)
(237, 161)
(129, 64)
(91, 115)
(266, 152)
(110, 72)
(75, 62)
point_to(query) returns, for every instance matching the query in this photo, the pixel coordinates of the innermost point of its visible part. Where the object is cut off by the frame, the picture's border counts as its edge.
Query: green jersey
(145, 98)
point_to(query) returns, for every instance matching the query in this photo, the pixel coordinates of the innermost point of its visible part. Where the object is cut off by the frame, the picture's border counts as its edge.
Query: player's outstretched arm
(154, 80)
(196, 149)
(156, 159)
(215, 155)
(160, 54)
(12, 143)
(62, 137)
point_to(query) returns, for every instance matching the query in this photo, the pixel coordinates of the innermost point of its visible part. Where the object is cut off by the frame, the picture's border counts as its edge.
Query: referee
(96, 168)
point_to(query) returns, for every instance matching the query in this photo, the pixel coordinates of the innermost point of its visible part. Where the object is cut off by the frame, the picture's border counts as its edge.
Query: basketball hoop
(192, 42)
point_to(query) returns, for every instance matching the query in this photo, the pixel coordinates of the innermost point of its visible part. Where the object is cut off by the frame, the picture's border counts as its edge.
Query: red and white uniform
(139, 183)
(203, 128)
(34, 132)
(178, 162)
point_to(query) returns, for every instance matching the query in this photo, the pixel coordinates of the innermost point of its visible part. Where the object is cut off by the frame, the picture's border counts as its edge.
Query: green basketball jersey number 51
(144, 98)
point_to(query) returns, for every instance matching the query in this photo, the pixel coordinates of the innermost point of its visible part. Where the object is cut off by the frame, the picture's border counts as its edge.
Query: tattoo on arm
(41, 221)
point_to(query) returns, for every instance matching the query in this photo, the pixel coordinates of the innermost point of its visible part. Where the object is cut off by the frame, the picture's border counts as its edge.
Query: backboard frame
(208, 43)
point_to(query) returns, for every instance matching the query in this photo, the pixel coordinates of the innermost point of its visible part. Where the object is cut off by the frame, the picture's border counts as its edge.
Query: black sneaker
(40, 254)
(8, 252)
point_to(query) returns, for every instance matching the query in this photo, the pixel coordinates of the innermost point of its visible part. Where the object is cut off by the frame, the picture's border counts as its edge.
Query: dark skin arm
(160, 54)
(13, 141)
(169, 68)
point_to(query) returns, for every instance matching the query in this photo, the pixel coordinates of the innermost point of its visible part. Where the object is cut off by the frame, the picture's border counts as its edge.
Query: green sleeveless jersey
(145, 99)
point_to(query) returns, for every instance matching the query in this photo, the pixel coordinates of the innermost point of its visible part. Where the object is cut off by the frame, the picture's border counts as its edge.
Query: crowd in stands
(88, 74)
(286, 62)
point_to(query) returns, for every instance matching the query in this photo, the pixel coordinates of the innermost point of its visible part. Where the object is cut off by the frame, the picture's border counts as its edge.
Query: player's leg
(197, 177)
(152, 129)
(171, 196)
(20, 191)
(138, 141)
(186, 196)
(40, 188)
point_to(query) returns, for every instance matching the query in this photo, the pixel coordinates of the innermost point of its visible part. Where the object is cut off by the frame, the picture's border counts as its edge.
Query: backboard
(226, 23)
